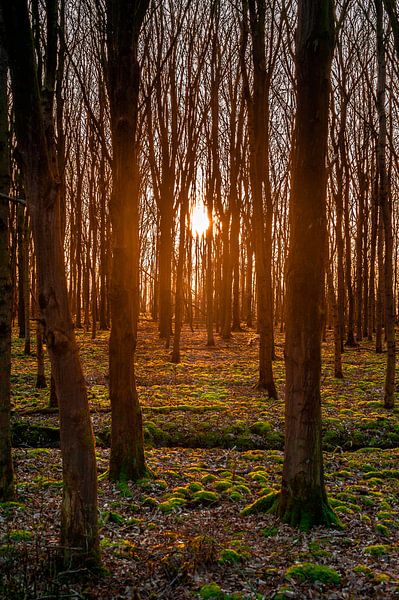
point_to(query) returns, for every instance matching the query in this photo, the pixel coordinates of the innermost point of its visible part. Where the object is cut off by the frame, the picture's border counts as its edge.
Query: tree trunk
(373, 245)
(175, 358)
(258, 123)
(40, 376)
(337, 333)
(226, 282)
(21, 270)
(123, 27)
(359, 259)
(165, 267)
(235, 259)
(386, 213)
(209, 276)
(303, 499)
(350, 334)
(379, 305)
(7, 489)
(248, 284)
(79, 530)
(26, 286)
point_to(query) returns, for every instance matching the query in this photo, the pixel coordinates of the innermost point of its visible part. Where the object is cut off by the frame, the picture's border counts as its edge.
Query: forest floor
(214, 444)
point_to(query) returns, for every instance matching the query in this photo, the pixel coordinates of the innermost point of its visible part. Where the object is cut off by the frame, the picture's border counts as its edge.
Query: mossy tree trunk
(303, 499)
(124, 20)
(7, 489)
(79, 529)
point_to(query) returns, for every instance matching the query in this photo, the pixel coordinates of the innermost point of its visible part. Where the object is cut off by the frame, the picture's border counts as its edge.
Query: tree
(124, 20)
(35, 138)
(258, 121)
(7, 489)
(303, 500)
(385, 207)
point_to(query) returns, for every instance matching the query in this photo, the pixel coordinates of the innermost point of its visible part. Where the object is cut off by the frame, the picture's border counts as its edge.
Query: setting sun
(199, 219)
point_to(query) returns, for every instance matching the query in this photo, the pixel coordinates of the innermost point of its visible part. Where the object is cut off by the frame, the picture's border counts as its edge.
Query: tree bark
(7, 489)
(124, 20)
(258, 122)
(386, 213)
(303, 500)
(79, 529)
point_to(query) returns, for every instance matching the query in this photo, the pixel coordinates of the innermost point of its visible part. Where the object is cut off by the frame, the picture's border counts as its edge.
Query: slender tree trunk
(379, 305)
(359, 259)
(366, 298)
(386, 214)
(340, 267)
(21, 271)
(235, 259)
(175, 358)
(226, 282)
(103, 246)
(248, 285)
(40, 377)
(350, 334)
(209, 276)
(337, 333)
(53, 400)
(373, 245)
(165, 266)
(26, 285)
(258, 122)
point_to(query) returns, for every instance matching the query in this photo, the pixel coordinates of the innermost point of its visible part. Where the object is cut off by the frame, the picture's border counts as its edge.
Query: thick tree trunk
(303, 499)
(127, 449)
(7, 489)
(79, 530)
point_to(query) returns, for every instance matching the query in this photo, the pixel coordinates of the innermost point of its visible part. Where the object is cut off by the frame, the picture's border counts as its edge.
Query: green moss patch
(313, 573)
(20, 535)
(378, 550)
(205, 497)
(263, 504)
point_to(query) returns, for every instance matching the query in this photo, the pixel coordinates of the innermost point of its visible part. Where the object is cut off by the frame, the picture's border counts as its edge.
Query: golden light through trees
(199, 219)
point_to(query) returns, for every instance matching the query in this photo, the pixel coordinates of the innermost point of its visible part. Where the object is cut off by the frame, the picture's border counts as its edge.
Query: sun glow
(199, 219)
